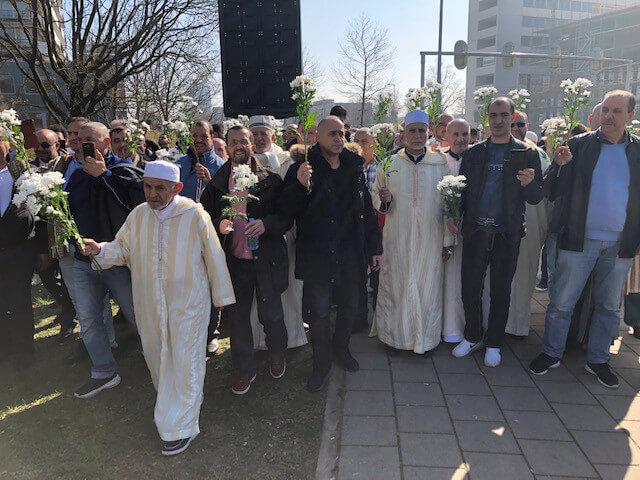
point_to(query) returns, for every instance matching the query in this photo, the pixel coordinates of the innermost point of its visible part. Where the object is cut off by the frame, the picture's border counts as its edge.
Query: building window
(487, 4)
(487, 23)
(482, 80)
(540, 3)
(487, 42)
(527, 3)
(7, 85)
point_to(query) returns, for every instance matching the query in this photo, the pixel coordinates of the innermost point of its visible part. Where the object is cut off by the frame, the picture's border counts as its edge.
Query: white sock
(492, 357)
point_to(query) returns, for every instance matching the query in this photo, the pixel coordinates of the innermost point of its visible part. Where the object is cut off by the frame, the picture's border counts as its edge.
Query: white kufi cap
(416, 116)
(162, 170)
(260, 121)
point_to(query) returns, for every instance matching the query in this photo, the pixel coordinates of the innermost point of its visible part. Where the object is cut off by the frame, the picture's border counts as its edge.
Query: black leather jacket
(474, 166)
(569, 188)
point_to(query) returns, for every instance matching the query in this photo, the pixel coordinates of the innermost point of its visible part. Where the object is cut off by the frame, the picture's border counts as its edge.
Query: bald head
(46, 145)
(520, 125)
(96, 133)
(594, 117)
(441, 127)
(458, 133)
(330, 136)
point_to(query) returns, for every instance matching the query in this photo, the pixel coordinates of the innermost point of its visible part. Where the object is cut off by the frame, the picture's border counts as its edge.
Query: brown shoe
(277, 365)
(242, 382)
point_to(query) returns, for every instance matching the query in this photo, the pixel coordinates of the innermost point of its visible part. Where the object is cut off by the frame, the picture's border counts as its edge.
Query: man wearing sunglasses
(48, 155)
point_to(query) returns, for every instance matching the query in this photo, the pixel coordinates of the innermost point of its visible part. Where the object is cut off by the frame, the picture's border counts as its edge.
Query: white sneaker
(213, 346)
(492, 357)
(465, 348)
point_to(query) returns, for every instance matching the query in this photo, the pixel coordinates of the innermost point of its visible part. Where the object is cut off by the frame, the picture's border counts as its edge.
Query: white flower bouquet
(554, 129)
(576, 97)
(43, 196)
(433, 93)
(450, 188)
(244, 179)
(415, 98)
(168, 154)
(182, 132)
(10, 132)
(304, 91)
(483, 97)
(384, 133)
(137, 130)
(634, 127)
(383, 106)
(520, 98)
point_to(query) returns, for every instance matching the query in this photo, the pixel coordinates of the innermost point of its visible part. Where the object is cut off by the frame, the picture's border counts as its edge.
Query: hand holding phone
(88, 149)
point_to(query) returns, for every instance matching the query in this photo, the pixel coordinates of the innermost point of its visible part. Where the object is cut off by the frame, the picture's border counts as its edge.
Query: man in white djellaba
(457, 136)
(408, 313)
(178, 269)
(276, 160)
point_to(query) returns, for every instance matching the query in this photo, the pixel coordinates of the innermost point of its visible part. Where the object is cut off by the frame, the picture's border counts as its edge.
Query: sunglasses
(519, 124)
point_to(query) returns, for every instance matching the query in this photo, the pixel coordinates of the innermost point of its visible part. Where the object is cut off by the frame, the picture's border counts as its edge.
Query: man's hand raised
(562, 155)
(304, 174)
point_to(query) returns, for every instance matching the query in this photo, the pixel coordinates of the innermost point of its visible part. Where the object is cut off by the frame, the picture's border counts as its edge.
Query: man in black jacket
(336, 233)
(502, 174)
(595, 183)
(263, 270)
(17, 260)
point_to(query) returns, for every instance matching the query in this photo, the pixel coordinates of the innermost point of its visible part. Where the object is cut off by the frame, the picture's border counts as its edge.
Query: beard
(240, 157)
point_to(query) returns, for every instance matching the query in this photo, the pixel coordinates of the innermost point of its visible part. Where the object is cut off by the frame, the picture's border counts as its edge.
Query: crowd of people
(324, 226)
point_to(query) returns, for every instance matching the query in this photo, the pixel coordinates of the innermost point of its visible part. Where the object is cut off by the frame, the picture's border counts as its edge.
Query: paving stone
(450, 364)
(537, 308)
(361, 430)
(621, 408)
(591, 383)
(584, 417)
(466, 407)
(406, 356)
(368, 403)
(418, 394)
(618, 472)
(490, 437)
(372, 361)
(521, 398)
(368, 380)
(625, 360)
(536, 425)
(547, 477)
(507, 376)
(556, 458)
(608, 447)
(494, 466)
(435, 473)
(566, 392)
(413, 372)
(631, 428)
(430, 450)
(464, 384)
(631, 375)
(525, 352)
(362, 343)
(537, 319)
(423, 419)
(371, 463)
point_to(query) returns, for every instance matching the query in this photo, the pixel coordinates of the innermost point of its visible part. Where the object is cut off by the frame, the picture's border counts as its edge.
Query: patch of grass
(273, 432)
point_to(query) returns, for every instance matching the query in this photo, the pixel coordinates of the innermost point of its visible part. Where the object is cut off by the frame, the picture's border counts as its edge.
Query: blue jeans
(552, 258)
(90, 289)
(570, 276)
(66, 270)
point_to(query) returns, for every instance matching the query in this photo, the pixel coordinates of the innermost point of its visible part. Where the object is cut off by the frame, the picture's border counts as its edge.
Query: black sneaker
(636, 332)
(541, 286)
(175, 447)
(66, 333)
(346, 360)
(318, 379)
(96, 385)
(605, 376)
(542, 363)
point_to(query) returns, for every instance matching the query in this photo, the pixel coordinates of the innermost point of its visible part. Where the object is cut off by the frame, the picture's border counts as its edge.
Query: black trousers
(544, 273)
(316, 308)
(480, 250)
(270, 315)
(58, 290)
(16, 312)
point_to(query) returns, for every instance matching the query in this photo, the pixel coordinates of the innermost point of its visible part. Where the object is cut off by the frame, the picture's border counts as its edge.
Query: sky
(412, 26)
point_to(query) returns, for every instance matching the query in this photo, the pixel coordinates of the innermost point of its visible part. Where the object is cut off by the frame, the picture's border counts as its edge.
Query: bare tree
(78, 53)
(311, 67)
(453, 90)
(365, 59)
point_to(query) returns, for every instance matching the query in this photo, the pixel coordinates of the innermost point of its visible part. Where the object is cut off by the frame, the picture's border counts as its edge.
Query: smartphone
(517, 161)
(28, 129)
(63, 144)
(88, 150)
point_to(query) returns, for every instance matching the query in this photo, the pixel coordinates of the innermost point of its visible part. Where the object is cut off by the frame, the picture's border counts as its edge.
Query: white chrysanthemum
(303, 82)
(52, 179)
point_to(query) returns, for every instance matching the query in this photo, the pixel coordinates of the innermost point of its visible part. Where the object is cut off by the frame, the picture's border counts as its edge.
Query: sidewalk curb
(327, 465)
